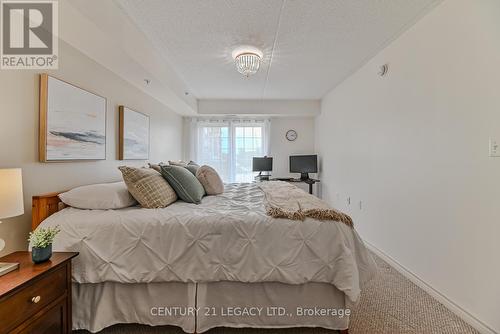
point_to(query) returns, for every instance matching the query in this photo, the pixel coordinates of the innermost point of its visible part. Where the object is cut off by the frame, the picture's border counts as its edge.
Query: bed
(223, 262)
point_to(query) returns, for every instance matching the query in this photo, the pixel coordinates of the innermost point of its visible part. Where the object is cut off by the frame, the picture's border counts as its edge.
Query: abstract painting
(72, 122)
(134, 135)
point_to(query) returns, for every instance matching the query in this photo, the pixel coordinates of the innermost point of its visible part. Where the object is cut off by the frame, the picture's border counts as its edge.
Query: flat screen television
(304, 164)
(262, 164)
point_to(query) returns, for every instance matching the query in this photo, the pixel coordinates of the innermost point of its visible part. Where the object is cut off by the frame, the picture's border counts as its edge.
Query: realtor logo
(29, 34)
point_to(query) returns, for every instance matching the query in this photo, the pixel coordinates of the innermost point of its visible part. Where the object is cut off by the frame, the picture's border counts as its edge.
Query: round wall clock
(291, 135)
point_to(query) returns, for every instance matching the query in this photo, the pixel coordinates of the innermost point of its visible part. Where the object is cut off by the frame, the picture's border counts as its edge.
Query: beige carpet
(389, 304)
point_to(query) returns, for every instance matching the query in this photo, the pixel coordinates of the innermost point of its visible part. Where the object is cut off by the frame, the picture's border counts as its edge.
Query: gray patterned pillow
(186, 185)
(148, 187)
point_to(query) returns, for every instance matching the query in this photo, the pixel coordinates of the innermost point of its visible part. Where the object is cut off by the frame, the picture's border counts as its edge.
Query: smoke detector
(383, 70)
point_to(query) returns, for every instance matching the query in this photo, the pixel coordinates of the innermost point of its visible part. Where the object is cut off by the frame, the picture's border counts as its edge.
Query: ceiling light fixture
(247, 59)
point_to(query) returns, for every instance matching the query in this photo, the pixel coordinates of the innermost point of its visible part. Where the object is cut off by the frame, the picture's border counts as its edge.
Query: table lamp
(11, 204)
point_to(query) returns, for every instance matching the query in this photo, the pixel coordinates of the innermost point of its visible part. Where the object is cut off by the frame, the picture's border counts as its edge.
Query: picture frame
(134, 134)
(72, 122)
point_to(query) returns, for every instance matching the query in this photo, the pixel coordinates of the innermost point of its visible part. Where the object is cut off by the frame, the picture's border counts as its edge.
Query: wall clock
(291, 135)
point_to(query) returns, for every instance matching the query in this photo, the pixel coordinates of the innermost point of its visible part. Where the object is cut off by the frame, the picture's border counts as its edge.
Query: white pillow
(102, 196)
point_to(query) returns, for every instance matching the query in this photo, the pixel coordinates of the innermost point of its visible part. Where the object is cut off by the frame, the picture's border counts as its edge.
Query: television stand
(262, 177)
(308, 181)
(304, 176)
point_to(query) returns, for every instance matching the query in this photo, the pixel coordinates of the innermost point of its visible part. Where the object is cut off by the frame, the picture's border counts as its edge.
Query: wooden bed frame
(45, 205)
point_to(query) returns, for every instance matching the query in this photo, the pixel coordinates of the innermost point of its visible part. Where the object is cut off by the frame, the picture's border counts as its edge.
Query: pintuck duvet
(227, 237)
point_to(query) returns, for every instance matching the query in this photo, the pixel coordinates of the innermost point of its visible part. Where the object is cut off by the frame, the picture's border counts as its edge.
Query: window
(248, 144)
(229, 146)
(213, 148)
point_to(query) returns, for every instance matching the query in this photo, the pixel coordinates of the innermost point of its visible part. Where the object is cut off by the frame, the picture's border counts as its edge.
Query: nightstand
(36, 298)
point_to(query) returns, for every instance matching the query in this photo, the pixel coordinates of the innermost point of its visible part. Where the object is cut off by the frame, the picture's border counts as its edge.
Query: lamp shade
(11, 193)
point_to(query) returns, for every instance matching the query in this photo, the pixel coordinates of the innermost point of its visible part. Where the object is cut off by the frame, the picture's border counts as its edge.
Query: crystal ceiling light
(247, 59)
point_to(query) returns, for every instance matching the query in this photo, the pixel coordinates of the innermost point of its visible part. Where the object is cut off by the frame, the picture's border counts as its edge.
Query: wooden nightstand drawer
(36, 298)
(33, 297)
(53, 321)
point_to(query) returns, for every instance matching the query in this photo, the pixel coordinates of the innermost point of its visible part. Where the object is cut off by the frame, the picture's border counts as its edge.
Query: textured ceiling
(309, 45)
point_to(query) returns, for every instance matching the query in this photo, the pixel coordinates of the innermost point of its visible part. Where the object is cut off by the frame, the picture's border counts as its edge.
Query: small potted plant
(41, 243)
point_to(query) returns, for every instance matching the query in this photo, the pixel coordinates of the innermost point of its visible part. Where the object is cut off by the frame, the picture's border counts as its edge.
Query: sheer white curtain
(228, 145)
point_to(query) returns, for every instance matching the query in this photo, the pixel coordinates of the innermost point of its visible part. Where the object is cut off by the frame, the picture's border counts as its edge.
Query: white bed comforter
(225, 238)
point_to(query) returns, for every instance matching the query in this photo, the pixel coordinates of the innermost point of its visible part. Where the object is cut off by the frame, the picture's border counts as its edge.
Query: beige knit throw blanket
(284, 200)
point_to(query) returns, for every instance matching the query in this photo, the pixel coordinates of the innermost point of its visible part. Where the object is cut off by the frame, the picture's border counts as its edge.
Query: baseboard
(449, 304)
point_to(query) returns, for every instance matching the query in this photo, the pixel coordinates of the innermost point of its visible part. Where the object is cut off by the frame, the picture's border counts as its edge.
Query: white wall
(19, 133)
(413, 146)
(281, 148)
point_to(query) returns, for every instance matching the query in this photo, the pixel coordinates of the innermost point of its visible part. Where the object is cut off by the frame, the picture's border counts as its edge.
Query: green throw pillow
(185, 184)
(192, 167)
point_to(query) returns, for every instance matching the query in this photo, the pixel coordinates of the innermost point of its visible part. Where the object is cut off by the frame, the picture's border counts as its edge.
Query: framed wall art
(133, 135)
(72, 122)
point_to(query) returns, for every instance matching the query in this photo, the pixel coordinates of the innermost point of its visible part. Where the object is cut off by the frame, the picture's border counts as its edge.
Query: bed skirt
(200, 307)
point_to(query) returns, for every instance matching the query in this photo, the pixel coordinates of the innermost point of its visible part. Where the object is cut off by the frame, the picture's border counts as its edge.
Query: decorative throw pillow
(210, 180)
(102, 196)
(148, 187)
(179, 163)
(192, 167)
(185, 184)
(156, 167)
